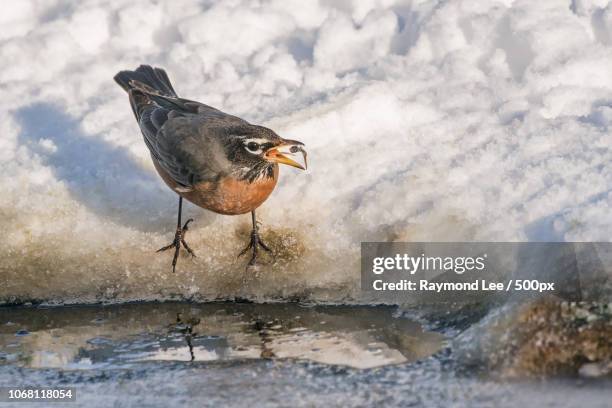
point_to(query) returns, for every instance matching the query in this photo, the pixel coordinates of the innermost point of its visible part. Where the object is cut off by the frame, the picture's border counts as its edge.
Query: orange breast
(228, 196)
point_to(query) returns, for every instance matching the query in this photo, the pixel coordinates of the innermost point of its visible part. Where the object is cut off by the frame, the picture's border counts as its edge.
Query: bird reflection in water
(265, 331)
(185, 326)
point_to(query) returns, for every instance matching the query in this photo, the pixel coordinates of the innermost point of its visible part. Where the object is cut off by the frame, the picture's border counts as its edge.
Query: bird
(210, 158)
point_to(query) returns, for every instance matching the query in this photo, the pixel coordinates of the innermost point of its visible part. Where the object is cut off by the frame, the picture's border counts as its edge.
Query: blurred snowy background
(424, 120)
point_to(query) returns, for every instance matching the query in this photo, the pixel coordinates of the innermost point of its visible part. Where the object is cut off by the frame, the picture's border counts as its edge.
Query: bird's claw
(179, 239)
(254, 245)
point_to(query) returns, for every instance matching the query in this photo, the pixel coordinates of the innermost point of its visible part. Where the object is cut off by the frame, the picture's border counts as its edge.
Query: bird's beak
(287, 147)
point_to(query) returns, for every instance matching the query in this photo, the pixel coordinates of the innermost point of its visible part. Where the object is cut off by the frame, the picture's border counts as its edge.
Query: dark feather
(154, 78)
(173, 127)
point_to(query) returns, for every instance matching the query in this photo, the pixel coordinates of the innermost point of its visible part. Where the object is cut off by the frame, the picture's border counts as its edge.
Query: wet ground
(228, 354)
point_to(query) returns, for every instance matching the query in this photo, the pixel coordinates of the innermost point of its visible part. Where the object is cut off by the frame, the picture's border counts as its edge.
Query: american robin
(215, 160)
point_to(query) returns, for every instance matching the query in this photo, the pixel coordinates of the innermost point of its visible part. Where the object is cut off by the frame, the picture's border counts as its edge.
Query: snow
(424, 120)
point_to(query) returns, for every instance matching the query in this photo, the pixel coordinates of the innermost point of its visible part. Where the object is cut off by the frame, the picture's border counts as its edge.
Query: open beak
(280, 153)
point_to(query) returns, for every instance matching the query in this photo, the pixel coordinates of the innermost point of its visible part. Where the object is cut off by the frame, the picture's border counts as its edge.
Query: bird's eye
(253, 147)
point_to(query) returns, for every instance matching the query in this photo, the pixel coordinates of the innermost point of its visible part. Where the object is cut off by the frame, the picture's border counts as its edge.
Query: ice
(423, 120)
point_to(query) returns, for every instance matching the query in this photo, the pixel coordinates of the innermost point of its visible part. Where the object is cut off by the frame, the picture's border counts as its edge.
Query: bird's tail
(149, 80)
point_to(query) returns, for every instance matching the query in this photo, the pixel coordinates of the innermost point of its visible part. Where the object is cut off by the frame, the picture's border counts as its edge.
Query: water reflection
(89, 336)
(185, 327)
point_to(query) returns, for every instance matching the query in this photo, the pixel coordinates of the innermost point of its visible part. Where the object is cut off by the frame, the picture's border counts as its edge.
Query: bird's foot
(254, 244)
(179, 239)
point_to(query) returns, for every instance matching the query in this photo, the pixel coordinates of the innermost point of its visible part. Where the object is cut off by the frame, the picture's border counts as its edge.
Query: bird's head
(256, 149)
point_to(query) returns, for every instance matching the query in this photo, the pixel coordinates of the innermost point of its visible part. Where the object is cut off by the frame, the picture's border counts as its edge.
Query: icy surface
(255, 355)
(302, 384)
(424, 120)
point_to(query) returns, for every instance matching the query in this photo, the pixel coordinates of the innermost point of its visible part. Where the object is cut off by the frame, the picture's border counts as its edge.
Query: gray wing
(180, 135)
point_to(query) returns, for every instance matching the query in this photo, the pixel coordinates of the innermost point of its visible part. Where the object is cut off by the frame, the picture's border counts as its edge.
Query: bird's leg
(179, 237)
(255, 242)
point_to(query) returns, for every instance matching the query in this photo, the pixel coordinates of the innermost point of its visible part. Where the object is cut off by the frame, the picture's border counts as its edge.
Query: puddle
(89, 337)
